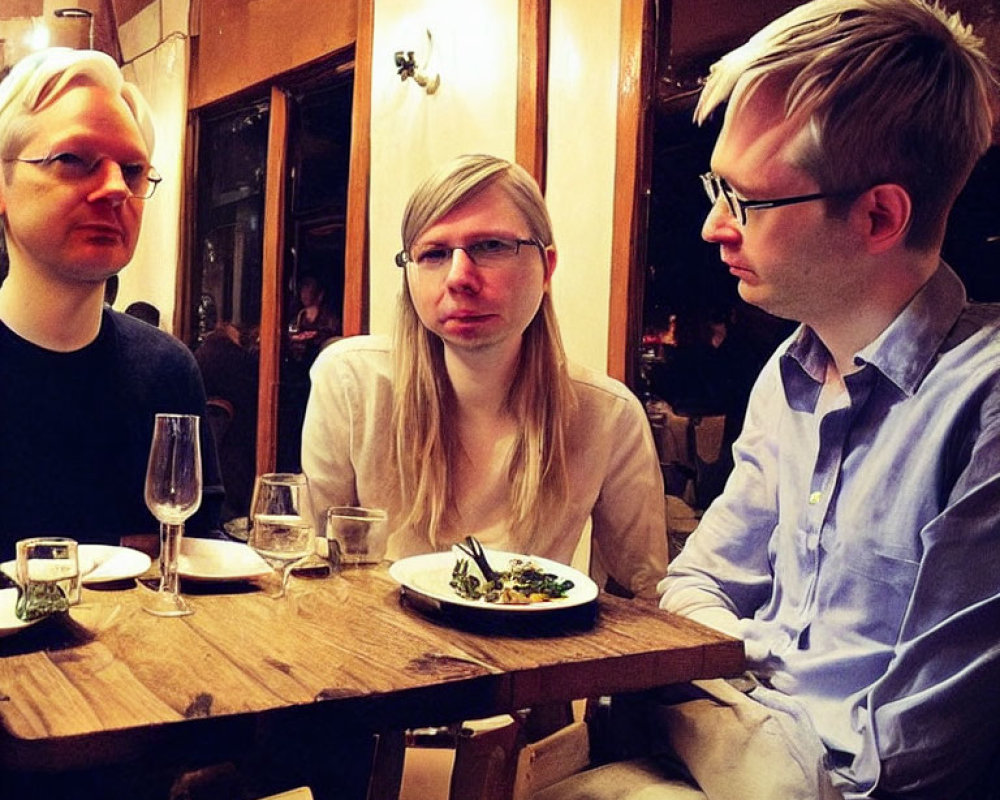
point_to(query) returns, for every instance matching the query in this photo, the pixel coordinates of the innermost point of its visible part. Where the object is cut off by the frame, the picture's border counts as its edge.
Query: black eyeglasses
(490, 252)
(141, 179)
(738, 206)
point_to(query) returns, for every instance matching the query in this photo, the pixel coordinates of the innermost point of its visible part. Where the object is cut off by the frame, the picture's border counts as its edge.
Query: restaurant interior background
(291, 133)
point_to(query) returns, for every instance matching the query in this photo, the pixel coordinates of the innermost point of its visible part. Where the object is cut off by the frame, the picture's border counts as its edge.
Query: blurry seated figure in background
(230, 374)
(315, 324)
(856, 546)
(81, 383)
(472, 421)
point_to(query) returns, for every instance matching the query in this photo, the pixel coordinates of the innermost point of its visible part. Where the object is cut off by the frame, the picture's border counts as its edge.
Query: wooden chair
(302, 793)
(505, 759)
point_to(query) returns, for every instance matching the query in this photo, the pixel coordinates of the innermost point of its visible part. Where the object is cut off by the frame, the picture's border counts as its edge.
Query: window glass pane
(226, 288)
(319, 151)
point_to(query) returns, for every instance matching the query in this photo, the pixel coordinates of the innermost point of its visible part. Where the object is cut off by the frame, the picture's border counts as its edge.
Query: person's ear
(550, 262)
(884, 213)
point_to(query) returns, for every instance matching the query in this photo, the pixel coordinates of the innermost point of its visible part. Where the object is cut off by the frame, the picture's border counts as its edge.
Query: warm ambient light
(38, 37)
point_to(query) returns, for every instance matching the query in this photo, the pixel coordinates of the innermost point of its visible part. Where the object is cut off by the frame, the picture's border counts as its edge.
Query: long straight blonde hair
(541, 397)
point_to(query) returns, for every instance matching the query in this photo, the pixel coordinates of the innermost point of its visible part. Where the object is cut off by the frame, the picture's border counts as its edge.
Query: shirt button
(815, 497)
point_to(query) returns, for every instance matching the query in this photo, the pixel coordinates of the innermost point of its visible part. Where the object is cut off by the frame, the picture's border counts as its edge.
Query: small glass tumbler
(355, 535)
(48, 571)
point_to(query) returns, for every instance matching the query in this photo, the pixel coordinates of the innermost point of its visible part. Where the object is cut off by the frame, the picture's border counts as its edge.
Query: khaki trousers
(713, 742)
(737, 749)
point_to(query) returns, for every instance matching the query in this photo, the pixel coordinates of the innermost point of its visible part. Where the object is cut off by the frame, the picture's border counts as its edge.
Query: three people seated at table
(81, 383)
(472, 420)
(856, 547)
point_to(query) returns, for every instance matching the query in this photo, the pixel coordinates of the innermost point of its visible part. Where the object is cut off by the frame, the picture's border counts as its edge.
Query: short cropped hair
(541, 397)
(38, 79)
(895, 91)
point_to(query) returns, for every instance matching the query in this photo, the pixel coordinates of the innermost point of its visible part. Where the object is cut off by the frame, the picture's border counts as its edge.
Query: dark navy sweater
(75, 430)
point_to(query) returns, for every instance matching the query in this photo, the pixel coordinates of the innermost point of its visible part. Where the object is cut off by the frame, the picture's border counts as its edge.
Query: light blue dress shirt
(859, 547)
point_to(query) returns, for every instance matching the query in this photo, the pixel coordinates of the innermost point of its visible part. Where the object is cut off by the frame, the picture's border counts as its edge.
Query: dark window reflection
(226, 287)
(972, 241)
(702, 345)
(319, 152)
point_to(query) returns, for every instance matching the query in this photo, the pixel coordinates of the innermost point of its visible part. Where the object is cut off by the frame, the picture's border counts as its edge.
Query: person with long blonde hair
(471, 420)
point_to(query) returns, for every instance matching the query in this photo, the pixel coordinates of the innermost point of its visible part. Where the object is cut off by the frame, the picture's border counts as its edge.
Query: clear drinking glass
(355, 535)
(173, 493)
(282, 529)
(48, 571)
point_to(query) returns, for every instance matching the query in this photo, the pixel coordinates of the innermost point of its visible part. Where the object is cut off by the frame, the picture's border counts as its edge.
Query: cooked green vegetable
(522, 582)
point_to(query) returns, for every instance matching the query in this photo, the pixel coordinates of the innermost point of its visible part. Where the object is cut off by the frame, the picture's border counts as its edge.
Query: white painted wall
(475, 51)
(583, 99)
(162, 76)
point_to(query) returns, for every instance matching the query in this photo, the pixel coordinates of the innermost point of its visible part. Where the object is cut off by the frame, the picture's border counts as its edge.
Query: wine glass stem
(286, 573)
(170, 545)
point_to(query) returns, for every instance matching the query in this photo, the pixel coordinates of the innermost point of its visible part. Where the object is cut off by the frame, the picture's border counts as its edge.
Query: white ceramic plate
(101, 563)
(104, 563)
(430, 575)
(219, 560)
(9, 623)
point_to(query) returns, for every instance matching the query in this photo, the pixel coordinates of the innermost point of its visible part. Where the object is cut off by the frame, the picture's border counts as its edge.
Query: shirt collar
(905, 350)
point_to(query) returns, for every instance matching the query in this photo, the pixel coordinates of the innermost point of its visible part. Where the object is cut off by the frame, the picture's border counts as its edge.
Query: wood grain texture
(109, 681)
(635, 71)
(355, 312)
(531, 125)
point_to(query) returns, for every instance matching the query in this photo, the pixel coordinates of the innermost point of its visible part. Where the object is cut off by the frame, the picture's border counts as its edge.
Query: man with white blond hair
(80, 383)
(856, 547)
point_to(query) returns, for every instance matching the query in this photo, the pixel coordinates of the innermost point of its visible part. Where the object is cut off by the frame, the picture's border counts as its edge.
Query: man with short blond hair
(856, 547)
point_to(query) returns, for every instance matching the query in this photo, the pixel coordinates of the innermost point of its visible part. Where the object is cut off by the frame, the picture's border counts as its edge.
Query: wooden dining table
(339, 659)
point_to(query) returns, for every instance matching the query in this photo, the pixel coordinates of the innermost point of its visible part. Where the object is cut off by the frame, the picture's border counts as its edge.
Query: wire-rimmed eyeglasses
(493, 251)
(67, 167)
(738, 206)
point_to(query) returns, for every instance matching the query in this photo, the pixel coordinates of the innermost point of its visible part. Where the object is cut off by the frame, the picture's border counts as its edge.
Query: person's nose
(720, 226)
(112, 186)
(463, 274)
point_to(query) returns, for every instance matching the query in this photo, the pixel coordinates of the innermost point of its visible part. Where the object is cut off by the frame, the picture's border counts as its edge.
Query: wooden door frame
(355, 313)
(271, 282)
(531, 141)
(355, 308)
(637, 61)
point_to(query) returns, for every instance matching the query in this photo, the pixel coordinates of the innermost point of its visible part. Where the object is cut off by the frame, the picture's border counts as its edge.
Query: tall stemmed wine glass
(282, 528)
(173, 493)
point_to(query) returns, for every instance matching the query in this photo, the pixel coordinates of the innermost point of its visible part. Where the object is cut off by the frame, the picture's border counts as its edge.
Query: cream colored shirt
(614, 474)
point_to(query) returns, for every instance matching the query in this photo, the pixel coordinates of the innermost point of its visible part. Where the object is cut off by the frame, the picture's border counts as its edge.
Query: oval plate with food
(426, 582)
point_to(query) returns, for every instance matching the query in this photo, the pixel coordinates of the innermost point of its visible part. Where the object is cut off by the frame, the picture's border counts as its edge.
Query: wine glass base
(313, 566)
(165, 604)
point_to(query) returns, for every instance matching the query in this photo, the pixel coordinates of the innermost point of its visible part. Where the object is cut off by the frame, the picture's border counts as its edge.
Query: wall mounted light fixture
(79, 13)
(406, 67)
